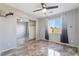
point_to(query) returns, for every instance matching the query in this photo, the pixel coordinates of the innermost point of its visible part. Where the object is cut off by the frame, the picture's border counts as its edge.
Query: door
(21, 32)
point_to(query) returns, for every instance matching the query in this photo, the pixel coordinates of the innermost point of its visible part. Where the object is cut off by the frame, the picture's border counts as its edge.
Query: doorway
(21, 32)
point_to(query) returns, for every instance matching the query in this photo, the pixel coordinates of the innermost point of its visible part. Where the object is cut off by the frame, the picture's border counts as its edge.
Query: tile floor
(42, 48)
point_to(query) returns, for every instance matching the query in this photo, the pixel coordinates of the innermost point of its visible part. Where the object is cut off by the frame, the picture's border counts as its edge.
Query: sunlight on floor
(52, 52)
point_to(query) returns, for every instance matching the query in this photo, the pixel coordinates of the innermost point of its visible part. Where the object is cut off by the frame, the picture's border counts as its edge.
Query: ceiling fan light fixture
(44, 10)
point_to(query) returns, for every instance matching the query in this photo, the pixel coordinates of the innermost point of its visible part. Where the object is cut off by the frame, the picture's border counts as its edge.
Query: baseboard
(64, 44)
(33, 39)
(7, 50)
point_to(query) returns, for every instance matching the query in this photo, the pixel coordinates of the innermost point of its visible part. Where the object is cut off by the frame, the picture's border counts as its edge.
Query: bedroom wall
(37, 29)
(42, 29)
(8, 27)
(72, 19)
(7, 33)
(78, 28)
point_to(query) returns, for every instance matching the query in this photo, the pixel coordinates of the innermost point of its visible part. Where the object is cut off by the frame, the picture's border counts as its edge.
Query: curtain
(46, 30)
(46, 34)
(64, 34)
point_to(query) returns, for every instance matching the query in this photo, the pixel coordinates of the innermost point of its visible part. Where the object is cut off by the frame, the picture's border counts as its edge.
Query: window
(54, 25)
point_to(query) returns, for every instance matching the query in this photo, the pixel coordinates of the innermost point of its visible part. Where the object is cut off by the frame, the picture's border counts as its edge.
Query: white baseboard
(6, 50)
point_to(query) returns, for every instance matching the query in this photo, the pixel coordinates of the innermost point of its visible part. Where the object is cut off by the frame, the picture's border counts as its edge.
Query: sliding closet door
(21, 32)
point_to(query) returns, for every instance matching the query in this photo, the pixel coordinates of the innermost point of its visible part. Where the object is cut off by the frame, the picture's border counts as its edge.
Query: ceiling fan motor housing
(43, 5)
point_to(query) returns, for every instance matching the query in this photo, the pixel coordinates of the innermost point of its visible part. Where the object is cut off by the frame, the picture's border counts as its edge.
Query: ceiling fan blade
(52, 7)
(37, 10)
(10, 13)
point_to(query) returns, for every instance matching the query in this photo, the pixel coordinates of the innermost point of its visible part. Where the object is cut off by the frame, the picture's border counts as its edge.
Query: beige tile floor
(42, 48)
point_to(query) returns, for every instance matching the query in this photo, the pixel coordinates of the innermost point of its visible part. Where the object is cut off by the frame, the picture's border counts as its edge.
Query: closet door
(32, 30)
(21, 32)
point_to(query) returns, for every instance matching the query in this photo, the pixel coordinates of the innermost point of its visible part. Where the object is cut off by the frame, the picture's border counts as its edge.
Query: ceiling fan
(44, 8)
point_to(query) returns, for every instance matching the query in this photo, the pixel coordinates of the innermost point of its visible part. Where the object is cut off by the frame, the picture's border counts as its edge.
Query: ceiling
(30, 7)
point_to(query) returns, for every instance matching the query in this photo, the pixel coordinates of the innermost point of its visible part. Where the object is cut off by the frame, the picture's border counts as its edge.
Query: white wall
(7, 33)
(42, 25)
(37, 29)
(8, 27)
(78, 28)
(72, 20)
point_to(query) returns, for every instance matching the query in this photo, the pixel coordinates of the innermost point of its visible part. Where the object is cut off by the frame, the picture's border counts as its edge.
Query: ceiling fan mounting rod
(43, 5)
